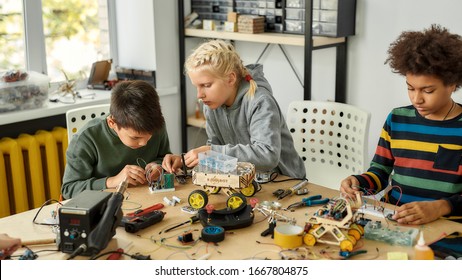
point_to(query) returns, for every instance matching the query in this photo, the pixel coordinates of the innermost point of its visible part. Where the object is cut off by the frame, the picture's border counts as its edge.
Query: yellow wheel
(355, 233)
(358, 227)
(236, 200)
(215, 190)
(352, 239)
(198, 199)
(313, 227)
(346, 245)
(309, 239)
(250, 190)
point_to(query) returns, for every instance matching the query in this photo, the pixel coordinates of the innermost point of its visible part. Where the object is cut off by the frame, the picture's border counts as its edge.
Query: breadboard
(374, 210)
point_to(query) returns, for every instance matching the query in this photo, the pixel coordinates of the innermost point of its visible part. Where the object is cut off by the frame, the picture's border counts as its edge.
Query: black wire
(274, 175)
(48, 250)
(40, 209)
(290, 179)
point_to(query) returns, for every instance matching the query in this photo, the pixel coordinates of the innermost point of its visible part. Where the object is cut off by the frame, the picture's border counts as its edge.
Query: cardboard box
(230, 26)
(251, 24)
(233, 16)
(208, 24)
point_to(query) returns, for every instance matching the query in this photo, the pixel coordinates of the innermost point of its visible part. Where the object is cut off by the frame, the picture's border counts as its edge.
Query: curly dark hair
(434, 51)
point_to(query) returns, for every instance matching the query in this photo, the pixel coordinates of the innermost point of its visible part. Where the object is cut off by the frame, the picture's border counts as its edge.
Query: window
(59, 38)
(11, 35)
(75, 37)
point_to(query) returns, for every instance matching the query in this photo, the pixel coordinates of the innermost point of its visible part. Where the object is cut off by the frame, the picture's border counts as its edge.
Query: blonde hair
(220, 59)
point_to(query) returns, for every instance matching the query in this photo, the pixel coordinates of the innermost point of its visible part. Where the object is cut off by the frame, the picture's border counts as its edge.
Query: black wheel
(213, 234)
(236, 200)
(198, 199)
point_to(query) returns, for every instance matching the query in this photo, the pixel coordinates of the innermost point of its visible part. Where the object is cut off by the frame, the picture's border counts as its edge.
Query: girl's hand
(191, 158)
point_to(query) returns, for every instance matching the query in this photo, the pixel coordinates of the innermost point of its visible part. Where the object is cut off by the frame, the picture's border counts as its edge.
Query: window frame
(34, 37)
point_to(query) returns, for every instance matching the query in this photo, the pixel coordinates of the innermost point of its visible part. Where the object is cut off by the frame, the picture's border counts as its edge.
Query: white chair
(331, 138)
(76, 118)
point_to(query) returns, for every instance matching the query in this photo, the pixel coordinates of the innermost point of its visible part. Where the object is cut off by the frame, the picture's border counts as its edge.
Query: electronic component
(375, 231)
(186, 238)
(188, 209)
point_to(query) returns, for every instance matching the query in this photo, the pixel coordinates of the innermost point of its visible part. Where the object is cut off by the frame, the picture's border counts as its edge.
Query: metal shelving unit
(308, 41)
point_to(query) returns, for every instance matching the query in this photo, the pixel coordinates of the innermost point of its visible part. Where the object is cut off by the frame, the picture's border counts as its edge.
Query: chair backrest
(76, 118)
(331, 138)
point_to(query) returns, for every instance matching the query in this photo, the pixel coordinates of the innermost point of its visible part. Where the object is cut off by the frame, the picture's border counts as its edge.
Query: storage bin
(345, 19)
(30, 93)
(218, 162)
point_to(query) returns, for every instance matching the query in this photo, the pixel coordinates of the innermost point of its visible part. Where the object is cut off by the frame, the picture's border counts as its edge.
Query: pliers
(309, 201)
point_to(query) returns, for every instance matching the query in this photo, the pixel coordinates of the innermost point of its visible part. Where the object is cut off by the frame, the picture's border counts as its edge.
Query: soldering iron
(100, 236)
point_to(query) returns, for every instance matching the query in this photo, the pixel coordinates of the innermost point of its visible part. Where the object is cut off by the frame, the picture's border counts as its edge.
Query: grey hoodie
(254, 130)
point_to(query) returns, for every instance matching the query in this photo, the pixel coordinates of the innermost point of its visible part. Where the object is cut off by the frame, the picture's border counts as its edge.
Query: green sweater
(97, 153)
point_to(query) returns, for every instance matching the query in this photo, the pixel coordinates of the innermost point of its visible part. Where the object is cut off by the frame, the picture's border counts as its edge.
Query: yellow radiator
(31, 169)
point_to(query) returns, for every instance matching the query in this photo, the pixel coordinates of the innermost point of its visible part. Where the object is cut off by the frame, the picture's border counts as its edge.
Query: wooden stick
(39, 242)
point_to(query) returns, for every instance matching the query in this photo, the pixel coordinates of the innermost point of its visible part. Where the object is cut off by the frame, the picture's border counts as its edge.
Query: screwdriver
(191, 220)
(293, 189)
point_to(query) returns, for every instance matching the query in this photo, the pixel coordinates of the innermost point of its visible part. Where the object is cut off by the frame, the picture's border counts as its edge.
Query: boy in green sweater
(111, 148)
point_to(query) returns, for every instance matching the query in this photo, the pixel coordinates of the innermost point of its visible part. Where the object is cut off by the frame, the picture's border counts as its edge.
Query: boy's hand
(191, 158)
(421, 212)
(349, 187)
(135, 176)
(172, 163)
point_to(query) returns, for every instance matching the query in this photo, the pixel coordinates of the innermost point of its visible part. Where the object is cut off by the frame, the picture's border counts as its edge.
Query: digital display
(74, 222)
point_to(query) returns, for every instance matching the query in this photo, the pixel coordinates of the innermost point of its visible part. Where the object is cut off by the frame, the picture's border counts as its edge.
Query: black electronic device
(227, 218)
(79, 217)
(135, 223)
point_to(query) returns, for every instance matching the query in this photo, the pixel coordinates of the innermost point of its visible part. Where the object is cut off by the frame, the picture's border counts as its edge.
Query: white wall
(370, 84)
(147, 37)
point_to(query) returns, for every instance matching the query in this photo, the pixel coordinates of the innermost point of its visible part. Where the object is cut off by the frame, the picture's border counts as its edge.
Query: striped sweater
(423, 158)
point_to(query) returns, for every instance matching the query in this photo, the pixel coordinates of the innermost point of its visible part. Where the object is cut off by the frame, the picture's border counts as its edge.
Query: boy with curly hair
(419, 152)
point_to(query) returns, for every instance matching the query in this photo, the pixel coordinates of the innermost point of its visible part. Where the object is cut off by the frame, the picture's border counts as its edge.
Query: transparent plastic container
(218, 162)
(30, 93)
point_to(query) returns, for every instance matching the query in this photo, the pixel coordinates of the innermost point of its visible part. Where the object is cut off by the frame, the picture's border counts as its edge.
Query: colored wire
(179, 252)
(261, 252)
(40, 209)
(136, 207)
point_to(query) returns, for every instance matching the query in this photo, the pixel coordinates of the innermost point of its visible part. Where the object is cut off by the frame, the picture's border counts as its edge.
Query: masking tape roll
(288, 236)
